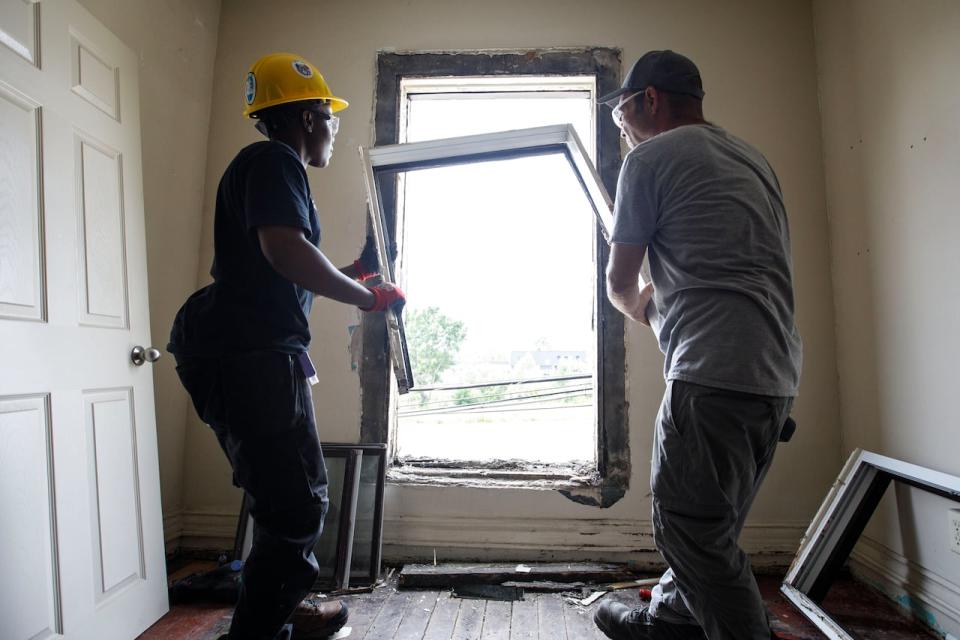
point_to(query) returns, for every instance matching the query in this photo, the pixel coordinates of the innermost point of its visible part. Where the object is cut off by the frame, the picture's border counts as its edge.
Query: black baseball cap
(666, 70)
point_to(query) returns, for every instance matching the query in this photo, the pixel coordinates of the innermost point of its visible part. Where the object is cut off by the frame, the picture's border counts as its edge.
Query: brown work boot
(316, 619)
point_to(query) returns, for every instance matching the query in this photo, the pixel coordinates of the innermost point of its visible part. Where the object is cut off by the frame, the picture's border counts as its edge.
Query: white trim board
(209, 529)
(172, 530)
(603, 534)
(770, 545)
(405, 537)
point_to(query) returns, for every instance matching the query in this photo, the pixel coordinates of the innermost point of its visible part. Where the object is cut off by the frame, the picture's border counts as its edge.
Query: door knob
(139, 355)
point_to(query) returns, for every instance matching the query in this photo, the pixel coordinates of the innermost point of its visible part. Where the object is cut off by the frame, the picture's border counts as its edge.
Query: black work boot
(620, 622)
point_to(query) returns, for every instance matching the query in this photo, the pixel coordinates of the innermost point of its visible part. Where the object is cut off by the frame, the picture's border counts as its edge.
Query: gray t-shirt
(709, 208)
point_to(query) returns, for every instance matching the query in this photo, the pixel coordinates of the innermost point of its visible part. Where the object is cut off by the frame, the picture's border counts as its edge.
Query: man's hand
(643, 304)
(635, 306)
(387, 296)
(623, 281)
(367, 265)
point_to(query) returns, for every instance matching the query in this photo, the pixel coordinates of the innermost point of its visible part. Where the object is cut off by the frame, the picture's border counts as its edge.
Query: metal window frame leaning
(343, 575)
(503, 145)
(841, 520)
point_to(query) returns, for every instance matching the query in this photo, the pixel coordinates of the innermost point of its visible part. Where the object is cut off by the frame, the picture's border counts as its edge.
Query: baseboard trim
(209, 529)
(408, 538)
(414, 538)
(172, 530)
(518, 533)
(928, 596)
(567, 534)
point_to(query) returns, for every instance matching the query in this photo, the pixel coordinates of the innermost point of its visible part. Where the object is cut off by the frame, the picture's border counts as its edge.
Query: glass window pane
(432, 117)
(361, 569)
(326, 548)
(498, 267)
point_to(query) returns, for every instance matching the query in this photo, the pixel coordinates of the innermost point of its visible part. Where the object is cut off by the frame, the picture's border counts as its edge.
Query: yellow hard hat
(279, 78)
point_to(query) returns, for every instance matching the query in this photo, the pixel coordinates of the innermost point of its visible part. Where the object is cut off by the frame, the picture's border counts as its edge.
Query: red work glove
(362, 274)
(386, 296)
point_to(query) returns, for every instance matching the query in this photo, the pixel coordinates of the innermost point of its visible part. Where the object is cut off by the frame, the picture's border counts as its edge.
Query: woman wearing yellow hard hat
(241, 343)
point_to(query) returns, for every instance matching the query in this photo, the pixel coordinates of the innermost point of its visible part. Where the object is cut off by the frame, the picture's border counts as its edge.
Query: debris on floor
(546, 586)
(218, 585)
(579, 584)
(590, 599)
(629, 584)
(497, 592)
(427, 576)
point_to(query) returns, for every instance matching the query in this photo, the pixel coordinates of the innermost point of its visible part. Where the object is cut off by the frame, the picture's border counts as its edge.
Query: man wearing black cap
(707, 210)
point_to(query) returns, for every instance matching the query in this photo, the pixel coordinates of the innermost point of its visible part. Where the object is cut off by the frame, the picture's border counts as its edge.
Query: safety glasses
(332, 121)
(617, 113)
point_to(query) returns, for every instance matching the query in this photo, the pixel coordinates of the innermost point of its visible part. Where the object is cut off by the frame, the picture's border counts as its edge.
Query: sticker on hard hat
(302, 68)
(250, 92)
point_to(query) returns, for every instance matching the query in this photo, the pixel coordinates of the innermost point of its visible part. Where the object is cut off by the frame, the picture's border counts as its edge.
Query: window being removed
(497, 261)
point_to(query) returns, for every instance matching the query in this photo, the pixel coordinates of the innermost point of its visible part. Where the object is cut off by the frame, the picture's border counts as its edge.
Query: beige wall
(891, 138)
(758, 62)
(176, 41)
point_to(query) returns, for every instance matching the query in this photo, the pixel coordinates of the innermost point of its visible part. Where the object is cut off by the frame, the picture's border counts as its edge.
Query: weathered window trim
(501, 474)
(377, 388)
(840, 522)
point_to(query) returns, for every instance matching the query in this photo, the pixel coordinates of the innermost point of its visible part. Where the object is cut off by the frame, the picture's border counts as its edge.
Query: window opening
(384, 367)
(498, 265)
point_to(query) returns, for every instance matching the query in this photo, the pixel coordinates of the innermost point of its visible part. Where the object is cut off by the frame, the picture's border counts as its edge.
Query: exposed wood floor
(389, 614)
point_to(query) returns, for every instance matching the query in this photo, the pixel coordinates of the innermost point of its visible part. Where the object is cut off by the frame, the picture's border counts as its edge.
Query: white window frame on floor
(411, 156)
(841, 520)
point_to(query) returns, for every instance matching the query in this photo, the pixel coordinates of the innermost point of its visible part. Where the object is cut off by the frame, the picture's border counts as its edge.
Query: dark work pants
(711, 452)
(259, 406)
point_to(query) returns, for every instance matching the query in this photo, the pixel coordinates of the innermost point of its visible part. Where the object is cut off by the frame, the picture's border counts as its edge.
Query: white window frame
(412, 156)
(841, 520)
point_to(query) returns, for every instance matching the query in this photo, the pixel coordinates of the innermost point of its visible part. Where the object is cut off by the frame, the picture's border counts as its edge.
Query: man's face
(320, 139)
(633, 117)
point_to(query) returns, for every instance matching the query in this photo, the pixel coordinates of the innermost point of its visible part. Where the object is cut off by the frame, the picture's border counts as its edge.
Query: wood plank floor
(391, 614)
(435, 615)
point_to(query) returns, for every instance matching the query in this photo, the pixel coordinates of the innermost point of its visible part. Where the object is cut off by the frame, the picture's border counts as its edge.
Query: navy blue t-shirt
(249, 306)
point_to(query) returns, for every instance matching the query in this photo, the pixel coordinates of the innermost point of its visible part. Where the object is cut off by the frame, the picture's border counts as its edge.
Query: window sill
(494, 475)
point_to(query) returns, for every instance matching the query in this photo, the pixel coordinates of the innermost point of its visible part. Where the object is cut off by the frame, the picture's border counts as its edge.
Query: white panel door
(81, 544)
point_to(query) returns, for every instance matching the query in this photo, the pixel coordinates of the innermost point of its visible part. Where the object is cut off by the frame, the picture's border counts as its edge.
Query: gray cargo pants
(711, 451)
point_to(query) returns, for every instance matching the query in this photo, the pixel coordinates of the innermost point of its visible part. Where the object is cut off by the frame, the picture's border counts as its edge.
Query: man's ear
(656, 101)
(307, 119)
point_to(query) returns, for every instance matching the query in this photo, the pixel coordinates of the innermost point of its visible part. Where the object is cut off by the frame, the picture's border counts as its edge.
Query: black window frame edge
(613, 451)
